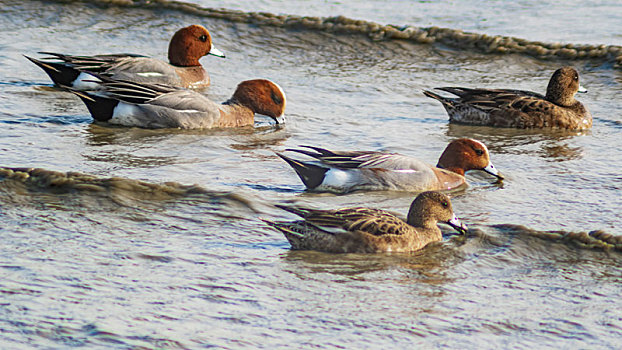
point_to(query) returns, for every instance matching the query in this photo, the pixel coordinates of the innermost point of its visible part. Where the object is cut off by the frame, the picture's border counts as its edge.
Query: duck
(185, 49)
(369, 230)
(518, 108)
(346, 171)
(156, 106)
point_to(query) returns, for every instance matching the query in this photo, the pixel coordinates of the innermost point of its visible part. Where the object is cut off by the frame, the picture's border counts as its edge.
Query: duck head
(431, 207)
(189, 44)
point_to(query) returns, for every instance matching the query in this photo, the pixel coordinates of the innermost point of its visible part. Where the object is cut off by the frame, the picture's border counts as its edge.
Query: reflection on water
(550, 143)
(426, 266)
(261, 137)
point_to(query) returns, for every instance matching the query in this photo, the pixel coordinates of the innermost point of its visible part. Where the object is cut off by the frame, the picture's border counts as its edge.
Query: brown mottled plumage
(366, 230)
(518, 108)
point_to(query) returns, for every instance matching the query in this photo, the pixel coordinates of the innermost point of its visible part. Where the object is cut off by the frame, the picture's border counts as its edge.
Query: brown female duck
(518, 108)
(366, 230)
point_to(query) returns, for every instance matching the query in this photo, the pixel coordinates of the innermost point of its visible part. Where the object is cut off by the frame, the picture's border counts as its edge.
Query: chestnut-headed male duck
(187, 46)
(345, 171)
(367, 230)
(520, 109)
(155, 106)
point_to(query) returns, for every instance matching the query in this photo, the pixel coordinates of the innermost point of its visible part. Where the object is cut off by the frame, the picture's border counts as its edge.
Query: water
(572, 21)
(129, 268)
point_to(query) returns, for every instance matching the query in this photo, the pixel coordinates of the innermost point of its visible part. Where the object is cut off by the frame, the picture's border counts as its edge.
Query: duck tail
(443, 100)
(60, 73)
(302, 212)
(100, 107)
(311, 175)
(288, 229)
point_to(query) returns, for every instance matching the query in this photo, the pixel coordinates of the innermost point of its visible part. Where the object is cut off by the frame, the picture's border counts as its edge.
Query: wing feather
(361, 159)
(372, 221)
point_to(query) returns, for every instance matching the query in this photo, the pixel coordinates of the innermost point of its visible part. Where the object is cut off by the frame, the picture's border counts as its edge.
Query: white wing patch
(85, 81)
(129, 114)
(337, 178)
(149, 74)
(187, 111)
(125, 114)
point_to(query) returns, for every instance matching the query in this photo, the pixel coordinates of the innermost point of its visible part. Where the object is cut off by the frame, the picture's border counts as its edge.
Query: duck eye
(203, 38)
(479, 152)
(444, 204)
(276, 98)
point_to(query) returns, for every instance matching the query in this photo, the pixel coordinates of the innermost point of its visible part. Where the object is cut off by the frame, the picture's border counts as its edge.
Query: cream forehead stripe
(479, 143)
(278, 87)
(284, 98)
(282, 92)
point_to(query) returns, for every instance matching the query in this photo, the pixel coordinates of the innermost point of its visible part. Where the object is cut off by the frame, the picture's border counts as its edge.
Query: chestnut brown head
(462, 155)
(189, 44)
(261, 96)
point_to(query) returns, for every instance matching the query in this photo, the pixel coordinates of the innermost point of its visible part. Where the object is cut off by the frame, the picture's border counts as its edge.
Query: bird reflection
(551, 143)
(427, 265)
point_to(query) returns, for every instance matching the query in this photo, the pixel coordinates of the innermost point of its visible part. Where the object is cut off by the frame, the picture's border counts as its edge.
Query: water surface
(123, 269)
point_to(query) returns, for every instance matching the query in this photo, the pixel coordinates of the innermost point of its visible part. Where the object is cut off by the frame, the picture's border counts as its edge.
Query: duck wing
(96, 64)
(372, 221)
(136, 93)
(362, 159)
(493, 99)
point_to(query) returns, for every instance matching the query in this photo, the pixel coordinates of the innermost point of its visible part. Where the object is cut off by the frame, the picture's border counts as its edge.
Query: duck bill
(490, 169)
(457, 225)
(215, 52)
(582, 89)
(280, 119)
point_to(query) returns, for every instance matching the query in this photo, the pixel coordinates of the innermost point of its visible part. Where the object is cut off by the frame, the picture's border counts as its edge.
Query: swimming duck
(156, 106)
(367, 230)
(187, 46)
(344, 171)
(518, 108)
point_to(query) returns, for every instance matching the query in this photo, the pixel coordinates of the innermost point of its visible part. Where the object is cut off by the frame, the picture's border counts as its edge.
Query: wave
(597, 239)
(128, 192)
(28, 185)
(453, 38)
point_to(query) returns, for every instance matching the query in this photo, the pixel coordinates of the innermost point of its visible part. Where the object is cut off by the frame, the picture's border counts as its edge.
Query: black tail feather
(60, 73)
(100, 107)
(322, 151)
(311, 175)
(271, 223)
(289, 230)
